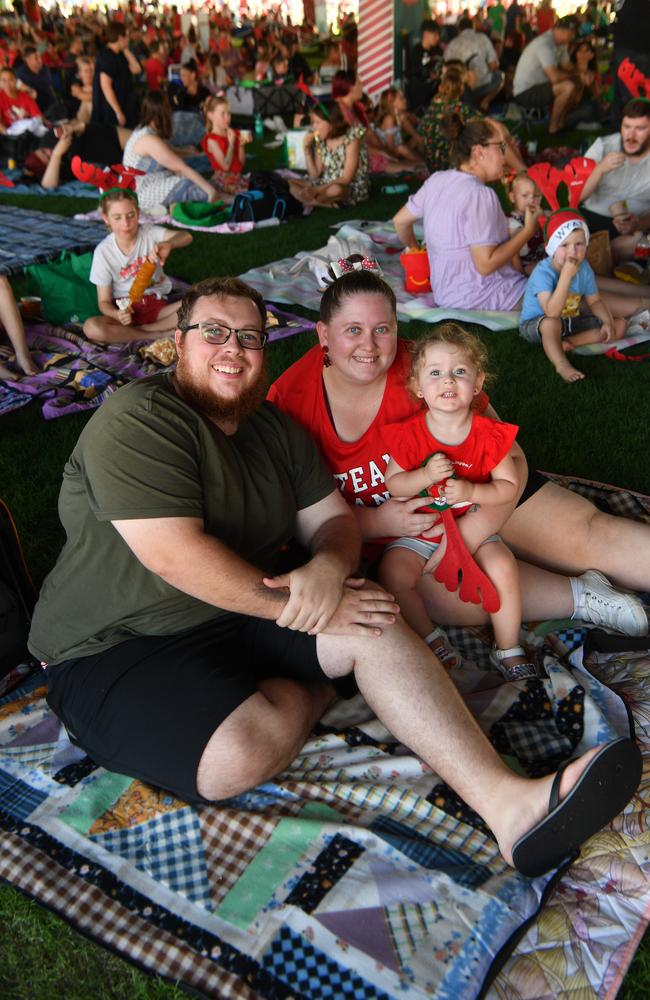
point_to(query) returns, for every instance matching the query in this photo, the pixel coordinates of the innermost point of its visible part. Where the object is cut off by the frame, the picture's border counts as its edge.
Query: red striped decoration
(375, 45)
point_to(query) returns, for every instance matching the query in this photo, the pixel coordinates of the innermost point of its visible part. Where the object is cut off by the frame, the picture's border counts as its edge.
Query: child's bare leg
(400, 571)
(585, 337)
(13, 323)
(550, 330)
(498, 562)
(626, 289)
(166, 321)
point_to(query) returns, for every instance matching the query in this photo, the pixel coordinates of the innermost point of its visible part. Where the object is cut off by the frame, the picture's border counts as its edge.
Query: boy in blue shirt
(553, 310)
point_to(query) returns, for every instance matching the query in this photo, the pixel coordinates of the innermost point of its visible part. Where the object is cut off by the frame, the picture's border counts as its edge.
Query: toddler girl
(224, 145)
(117, 260)
(524, 192)
(449, 439)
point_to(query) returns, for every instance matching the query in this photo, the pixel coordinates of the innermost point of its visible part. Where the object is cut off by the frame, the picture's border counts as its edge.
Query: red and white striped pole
(376, 45)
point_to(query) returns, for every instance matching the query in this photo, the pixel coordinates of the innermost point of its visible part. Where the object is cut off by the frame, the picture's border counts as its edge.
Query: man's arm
(184, 555)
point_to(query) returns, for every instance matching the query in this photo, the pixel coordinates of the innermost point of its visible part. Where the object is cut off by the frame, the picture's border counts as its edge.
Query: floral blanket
(357, 873)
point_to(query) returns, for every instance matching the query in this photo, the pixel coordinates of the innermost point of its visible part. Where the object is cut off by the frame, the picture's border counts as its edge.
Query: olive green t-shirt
(147, 454)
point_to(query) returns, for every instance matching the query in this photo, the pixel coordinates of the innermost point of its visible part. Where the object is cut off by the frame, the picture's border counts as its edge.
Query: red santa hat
(561, 224)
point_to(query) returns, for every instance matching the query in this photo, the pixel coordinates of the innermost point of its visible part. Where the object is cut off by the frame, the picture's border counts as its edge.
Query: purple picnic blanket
(76, 374)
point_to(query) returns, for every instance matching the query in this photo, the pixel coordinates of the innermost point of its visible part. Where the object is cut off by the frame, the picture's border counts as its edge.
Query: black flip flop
(601, 792)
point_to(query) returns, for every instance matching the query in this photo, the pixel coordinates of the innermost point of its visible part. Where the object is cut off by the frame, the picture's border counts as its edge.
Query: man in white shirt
(622, 173)
(477, 52)
(544, 74)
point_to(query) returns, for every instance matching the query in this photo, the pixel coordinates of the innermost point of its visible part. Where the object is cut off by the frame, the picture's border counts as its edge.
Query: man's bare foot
(569, 373)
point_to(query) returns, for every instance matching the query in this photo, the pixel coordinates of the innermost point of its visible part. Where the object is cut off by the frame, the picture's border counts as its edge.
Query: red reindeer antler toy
(636, 82)
(457, 568)
(117, 176)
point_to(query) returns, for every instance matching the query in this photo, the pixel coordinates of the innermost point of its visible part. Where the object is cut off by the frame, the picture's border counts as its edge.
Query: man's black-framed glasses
(219, 333)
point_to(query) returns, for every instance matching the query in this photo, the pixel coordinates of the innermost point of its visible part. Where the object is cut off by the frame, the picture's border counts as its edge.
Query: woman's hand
(397, 517)
(364, 609)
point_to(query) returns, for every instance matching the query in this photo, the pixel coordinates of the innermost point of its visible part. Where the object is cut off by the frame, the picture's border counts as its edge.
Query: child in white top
(116, 262)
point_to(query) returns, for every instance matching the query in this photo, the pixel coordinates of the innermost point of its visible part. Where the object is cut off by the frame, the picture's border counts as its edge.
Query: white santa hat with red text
(560, 225)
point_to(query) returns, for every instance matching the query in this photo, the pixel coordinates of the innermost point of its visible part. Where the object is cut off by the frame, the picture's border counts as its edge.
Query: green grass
(596, 429)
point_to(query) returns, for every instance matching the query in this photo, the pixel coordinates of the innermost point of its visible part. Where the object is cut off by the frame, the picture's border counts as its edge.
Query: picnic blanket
(287, 281)
(28, 237)
(76, 374)
(357, 872)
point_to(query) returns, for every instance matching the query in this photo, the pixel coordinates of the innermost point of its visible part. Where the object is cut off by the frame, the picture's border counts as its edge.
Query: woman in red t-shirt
(345, 389)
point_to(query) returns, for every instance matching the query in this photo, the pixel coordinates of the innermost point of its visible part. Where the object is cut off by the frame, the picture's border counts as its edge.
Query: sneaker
(603, 605)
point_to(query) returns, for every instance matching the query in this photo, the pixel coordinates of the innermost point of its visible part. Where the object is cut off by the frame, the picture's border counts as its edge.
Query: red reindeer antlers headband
(574, 175)
(636, 82)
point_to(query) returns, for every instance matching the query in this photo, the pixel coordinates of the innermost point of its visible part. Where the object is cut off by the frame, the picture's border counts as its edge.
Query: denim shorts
(529, 329)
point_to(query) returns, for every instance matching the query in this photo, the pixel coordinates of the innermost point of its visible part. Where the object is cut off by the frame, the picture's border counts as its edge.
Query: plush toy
(457, 568)
(141, 281)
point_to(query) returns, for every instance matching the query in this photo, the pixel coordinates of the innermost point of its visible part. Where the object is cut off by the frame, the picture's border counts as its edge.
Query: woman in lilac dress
(465, 230)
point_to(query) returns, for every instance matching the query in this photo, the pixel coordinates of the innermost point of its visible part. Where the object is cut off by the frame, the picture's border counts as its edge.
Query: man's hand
(314, 594)
(364, 609)
(611, 161)
(438, 467)
(121, 118)
(626, 224)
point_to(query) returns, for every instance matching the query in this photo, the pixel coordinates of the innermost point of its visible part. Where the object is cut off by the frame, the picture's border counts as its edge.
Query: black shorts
(539, 96)
(534, 483)
(148, 706)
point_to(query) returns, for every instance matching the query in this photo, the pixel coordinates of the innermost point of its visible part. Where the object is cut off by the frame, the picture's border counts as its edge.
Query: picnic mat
(28, 237)
(77, 374)
(357, 873)
(288, 281)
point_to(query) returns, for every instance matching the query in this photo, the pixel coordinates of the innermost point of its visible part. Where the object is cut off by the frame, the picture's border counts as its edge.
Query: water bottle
(259, 127)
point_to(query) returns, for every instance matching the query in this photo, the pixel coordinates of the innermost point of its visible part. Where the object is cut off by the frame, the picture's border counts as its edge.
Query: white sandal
(441, 647)
(518, 671)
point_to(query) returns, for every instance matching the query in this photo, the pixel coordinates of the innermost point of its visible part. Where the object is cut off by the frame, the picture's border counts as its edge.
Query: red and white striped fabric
(375, 45)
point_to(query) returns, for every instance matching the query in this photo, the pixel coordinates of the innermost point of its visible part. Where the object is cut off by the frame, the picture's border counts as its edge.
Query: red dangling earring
(326, 357)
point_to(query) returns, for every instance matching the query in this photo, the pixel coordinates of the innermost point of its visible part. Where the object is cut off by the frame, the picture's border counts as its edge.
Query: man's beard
(641, 151)
(221, 408)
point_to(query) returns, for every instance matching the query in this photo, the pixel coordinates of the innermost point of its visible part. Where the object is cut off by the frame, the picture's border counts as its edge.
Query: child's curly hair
(450, 333)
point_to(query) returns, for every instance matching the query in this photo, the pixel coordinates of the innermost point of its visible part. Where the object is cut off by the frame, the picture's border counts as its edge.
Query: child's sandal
(441, 647)
(516, 671)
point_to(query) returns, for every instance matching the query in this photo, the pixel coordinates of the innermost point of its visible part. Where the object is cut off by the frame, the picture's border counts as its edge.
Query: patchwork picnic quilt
(358, 872)
(76, 374)
(28, 237)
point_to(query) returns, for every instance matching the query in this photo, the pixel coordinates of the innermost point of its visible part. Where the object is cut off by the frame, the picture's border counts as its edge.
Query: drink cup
(619, 210)
(246, 135)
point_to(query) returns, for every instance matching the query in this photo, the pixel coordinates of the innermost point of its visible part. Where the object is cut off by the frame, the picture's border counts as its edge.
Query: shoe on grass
(603, 605)
(602, 791)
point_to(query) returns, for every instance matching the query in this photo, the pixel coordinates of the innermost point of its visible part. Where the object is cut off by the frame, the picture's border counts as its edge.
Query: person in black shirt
(113, 94)
(425, 66)
(187, 100)
(35, 78)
